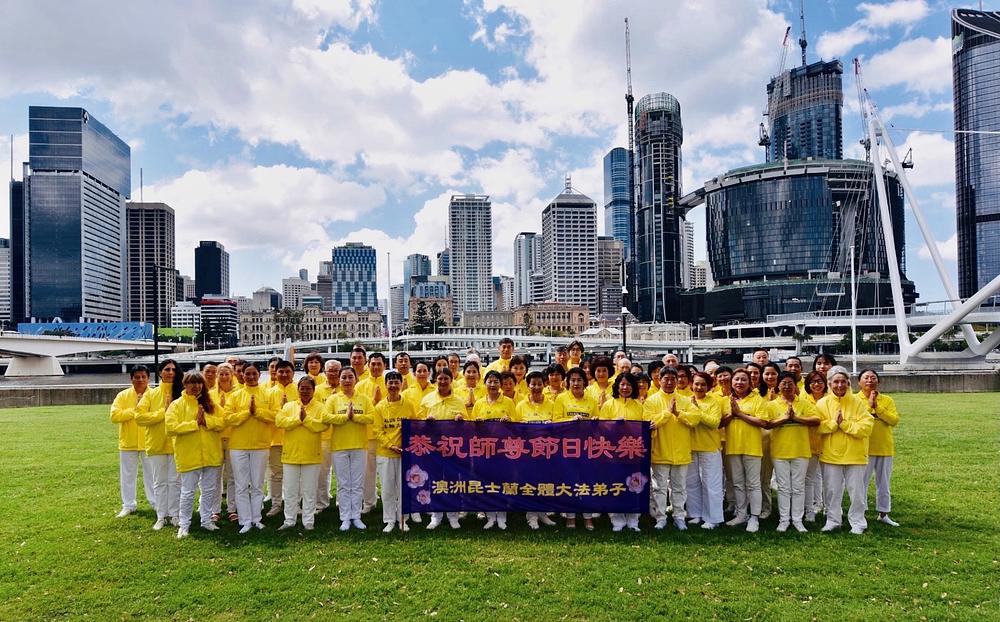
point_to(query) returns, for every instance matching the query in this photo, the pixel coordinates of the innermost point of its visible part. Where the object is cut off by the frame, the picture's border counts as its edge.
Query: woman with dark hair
(388, 425)
(313, 366)
(471, 389)
(684, 375)
(250, 413)
(193, 421)
(421, 385)
(149, 414)
(754, 370)
(440, 362)
(575, 404)
(816, 389)
(623, 407)
(881, 445)
(791, 417)
(303, 421)
(642, 381)
(823, 362)
(350, 412)
(556, 381)
(442, 405)
(704, 481)
(653, 371)
(769, 391)
(222, 393)
(747, 417)
(601, 369)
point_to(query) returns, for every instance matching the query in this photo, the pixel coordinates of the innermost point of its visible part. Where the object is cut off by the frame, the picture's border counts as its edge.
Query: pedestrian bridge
(36, 355)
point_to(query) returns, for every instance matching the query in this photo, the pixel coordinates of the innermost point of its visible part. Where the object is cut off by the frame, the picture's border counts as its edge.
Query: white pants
(881, 468)
(323, 487)
(166, 485)
(128, 470)
(274, 474)
(704, 486)
(299, 483)
(766, 473)
(207, 479)
(437, 516)
(622, 520)
(249, 467)
(227, 483)
(390, 471)
(370, 492)
(746, 483)
(349, 465)
(814, 486)
(791, 476)
(836, 477)
(672, 477)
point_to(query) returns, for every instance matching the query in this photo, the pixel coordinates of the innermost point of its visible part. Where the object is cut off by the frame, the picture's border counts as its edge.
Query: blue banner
(491, 466)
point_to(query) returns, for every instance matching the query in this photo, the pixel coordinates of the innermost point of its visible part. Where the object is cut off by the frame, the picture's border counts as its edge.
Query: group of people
(719, 435)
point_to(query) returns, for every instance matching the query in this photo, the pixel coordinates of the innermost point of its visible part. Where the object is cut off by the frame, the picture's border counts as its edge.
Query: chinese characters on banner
(579, 466)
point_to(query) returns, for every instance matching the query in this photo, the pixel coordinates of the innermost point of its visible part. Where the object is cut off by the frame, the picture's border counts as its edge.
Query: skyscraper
(503, 293)
(687, 246)
(657, 258)
(415, 265)
(610, 254)
(4, 282)
(150, 262)
(266, 299)
(396, 308)
(324, 284)
(68, 219)
(804, 111)
(569, 249)
(354, 278)
(293, 290)
(527, 261)
(211, 270)
(617, 211)
(444, 263)
(975, 66)
(470, 245)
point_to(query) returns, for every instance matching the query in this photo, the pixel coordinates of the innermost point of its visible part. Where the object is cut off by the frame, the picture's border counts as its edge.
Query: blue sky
(284, 128)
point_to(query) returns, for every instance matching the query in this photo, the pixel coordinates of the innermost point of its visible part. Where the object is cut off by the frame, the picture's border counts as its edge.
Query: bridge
(35, 355)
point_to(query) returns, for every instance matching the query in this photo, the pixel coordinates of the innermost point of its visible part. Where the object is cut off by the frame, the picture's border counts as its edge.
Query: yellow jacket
(711, 408)
(846, 443)
(500, 409)
(672, 435)
(388, 424)
(444, 408)
(567, 407)
(815, 438)
(282, 395)
(123, 413)
(415, 394)
(621, 408)
(462, 391)
(881, 442)
(594, 392)
(149, 414)
(743, 439)
(791, 440)
(349, 433)
(372, 388)
(323, 394)
(222, 398)
(319, 379)
(302, 443)
(252, 432)
(530, 412)
(499, 365)
(195, 446)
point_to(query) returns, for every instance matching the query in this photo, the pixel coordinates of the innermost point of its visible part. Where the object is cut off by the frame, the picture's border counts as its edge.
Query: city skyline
(198, 155)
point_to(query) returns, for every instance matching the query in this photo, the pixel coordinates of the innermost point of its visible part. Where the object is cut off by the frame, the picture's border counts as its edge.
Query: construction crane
(802, 28)
(629, 101)
(764, 138)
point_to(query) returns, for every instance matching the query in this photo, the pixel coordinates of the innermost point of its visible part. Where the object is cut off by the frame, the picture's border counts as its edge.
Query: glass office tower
(804, 107)
(354, 278)
(617, 210)
(975, 71)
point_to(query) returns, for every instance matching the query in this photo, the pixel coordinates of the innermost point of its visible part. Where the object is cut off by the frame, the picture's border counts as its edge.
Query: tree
(528, 325)
(435, 317)
(288, 323)
(420, 325)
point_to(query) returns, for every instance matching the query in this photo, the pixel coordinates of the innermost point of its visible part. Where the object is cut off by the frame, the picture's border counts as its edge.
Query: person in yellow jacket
(623, 407)
(132, 443)
(374, 387)
(225, 388)
(470, 388)
(330, 386)
(359, 362)
(536, 408)
(314, 368)
(494, 405)
(351, 413)
(653, 371)
(506, 349)
(421, 385)
(791, 416)
(846, 425)
(600, 390)
(704, 483)
(684, 378)
(743, 424)
(671, 417)
(556, 377)
(575, 404)
(881, 445)
(250, 413)
(149, 415)
(405, 368)
(519, 367)
(388, 425)
(816, 389)
(444, 405)
(194, 423)
(303, 421)
(285, 390)
(508, 387)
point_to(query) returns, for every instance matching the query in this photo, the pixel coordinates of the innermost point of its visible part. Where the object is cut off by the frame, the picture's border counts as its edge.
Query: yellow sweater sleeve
(885, 410)
(709, 413)
(120, 411)
(146, 412)
(175, 420)
(314, 420)
(288, 417)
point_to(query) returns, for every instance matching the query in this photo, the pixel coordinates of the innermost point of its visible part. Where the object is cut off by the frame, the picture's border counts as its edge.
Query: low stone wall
(20, 397)
(938, 382)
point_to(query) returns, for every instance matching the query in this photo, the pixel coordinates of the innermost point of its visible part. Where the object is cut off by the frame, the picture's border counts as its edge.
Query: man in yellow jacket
(331, 369)
(132, 442)
(373, 387)
(672, 418)
(251, 414)
(149, 414)
(285, 391)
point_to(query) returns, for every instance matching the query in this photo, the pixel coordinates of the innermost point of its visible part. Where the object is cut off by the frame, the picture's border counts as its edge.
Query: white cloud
(914, 109)
(877, 18)
(947, 248)
(838, 43)
(921, 65)
(933, 159)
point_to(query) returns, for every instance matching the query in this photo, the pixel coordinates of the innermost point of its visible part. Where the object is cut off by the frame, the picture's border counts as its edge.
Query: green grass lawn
(66, 556)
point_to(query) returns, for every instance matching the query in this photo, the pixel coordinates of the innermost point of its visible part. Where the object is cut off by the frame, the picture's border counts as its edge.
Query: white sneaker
(453, 521)
(274, 511)
(246, 528)
(709, 525)
(481, 515)
(159, 524)
(182, 533)
(389, 527)
(345, 525)
(680, 524)
(210, 527)
(884, 519)
(404, 528)
(634, 527)
(737, 520)
(765, 513)
(502, 523)
(124, 512)
(434, 523)
(415, 517)
(829, 527)
(783, 526)
(662, 523)
(309, 527)
(489, 524)
(545, 520)
(259, 525)
(856, 531)
(752, 525)
(358, 524)
(694, 521)
(533, 523)
(799, 527)
(285, 526)
(176, 522)
(613, 527)
(811, 517)
(632, 523)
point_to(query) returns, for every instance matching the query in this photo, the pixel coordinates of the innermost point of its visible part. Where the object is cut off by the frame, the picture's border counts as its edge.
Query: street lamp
(624, 307)
(156, 320)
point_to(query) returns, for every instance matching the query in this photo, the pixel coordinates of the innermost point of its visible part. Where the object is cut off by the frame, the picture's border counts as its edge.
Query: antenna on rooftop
(569, 182)
(802, 24)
